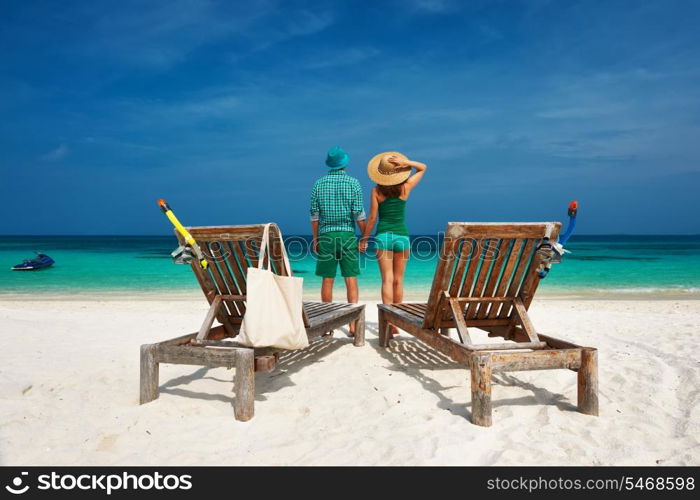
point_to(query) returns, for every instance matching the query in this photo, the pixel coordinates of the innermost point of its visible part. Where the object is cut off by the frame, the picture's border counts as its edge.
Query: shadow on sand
(416, 359)
(290, 362)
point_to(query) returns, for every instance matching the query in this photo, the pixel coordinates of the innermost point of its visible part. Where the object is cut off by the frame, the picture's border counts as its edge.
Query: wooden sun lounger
(230, 250)
(486, 278)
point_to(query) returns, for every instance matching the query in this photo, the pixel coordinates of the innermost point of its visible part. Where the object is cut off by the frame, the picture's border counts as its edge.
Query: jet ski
(41, 261)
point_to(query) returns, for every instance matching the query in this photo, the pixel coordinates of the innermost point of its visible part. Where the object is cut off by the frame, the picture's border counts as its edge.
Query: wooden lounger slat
(482, 299)
(310, 306)
(417, 309)
(218, 252)
(235, 265)
(406, 307)
(332, 311)
(406, 316)
(466, 288)
(514, 286)
(467, 251)
(314, 312)
(328, 305)
(486, 263)
(316, 309)
(335, 319)
(229, 233)
(435, 309)
(529, 273)
(226, 233)
(494, 276)
(216, 273)
(240, 258)
(479, 323)
(496, 230)
(507, 274)
(531, 281)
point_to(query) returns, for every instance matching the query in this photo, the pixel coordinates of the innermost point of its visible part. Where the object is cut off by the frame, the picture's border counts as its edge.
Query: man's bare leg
(327, 289)
(353, 296)
(327, 296)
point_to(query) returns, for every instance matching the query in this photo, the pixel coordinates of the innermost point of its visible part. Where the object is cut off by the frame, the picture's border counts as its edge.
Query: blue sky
(226, 109)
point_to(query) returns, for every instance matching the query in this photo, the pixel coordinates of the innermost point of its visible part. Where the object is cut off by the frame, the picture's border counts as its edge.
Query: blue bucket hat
(337, 158)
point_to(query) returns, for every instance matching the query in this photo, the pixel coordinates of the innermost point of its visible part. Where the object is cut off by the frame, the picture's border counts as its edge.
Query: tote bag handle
(264, 249)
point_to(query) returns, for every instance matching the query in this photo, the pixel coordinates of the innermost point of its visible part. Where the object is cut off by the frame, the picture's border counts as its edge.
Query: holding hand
(362, 245)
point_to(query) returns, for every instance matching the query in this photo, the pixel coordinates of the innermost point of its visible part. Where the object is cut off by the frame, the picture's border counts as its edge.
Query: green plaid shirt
(336, 202)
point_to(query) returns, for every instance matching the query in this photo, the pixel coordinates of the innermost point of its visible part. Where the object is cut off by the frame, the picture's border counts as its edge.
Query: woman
(392, 173)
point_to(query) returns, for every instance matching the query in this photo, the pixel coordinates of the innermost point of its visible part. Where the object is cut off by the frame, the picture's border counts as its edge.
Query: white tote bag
(273, 305)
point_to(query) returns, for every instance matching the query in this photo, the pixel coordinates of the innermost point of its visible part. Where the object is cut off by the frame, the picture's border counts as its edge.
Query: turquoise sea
(108, 265)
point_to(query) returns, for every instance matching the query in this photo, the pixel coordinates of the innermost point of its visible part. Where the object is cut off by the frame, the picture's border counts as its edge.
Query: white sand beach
(69, 377)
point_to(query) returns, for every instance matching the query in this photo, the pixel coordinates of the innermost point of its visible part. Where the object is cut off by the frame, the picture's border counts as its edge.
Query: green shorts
(338, 247)
(392, 242)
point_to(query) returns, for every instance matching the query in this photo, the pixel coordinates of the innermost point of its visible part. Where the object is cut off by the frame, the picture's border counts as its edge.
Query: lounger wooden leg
(588, 382)
(244, 385)
(360, 330)
(383, 330)
(480, 367)
(149, 374)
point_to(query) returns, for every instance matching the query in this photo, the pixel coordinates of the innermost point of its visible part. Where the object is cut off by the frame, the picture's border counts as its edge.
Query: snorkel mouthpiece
(164, 205)
(573, 208)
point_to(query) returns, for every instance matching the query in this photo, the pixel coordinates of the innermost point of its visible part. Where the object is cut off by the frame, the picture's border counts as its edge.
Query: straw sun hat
(385, 173)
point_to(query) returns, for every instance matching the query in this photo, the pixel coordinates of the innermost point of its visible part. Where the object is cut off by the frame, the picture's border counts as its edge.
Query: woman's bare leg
(399, 269)
(386, 268)
(400, 261)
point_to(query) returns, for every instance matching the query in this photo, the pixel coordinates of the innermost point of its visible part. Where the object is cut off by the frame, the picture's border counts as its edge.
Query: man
(336, 206)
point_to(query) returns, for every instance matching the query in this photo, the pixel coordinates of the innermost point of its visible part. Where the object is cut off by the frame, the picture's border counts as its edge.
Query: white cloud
(308, 23)
(575, 112)
(296, 24)
(452, 114)
(162, 33)
(435, 6)
(344, 57)
(56, 154)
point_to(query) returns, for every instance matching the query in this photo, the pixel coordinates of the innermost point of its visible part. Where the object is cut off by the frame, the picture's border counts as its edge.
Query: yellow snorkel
(185, 234)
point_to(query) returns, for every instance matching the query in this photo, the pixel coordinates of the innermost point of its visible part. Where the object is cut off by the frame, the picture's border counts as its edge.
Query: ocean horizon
(109, 265)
